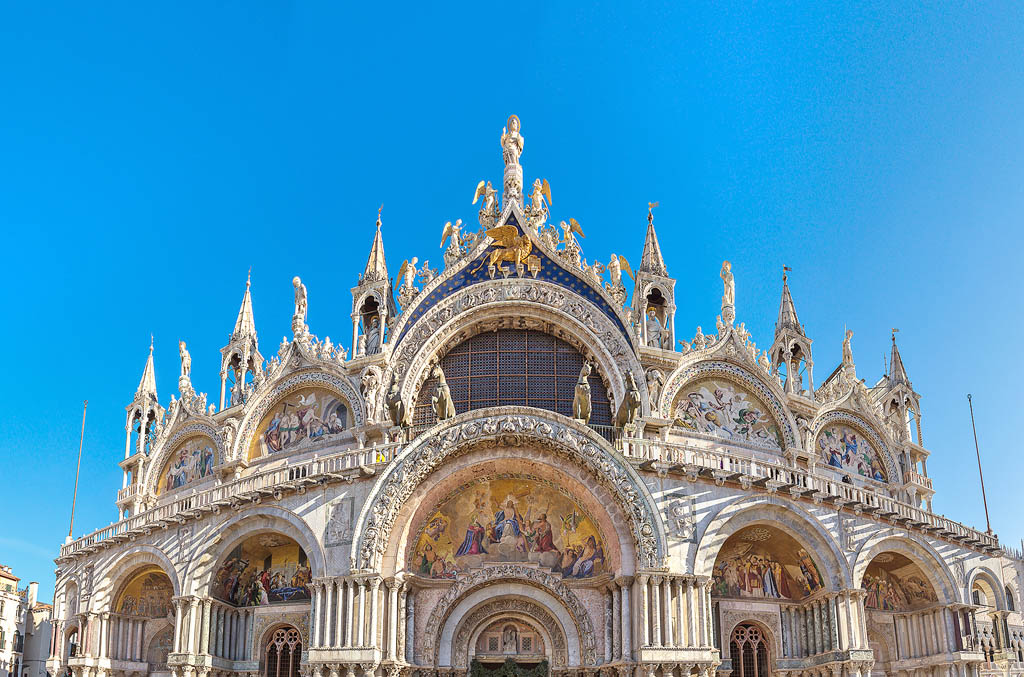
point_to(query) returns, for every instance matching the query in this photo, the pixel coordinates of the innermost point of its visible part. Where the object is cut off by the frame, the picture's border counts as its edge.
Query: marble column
(374, 638)
(314, 613)
(666, 611)
(410, 624)
(392, 652)
(337, 608)
(641, 594)
(656, 610)
(177, 624)
(616, 621)
(349, 613)
(328, 638)
(693, 638)
(627, 617)
(361, 613)
(680, 607)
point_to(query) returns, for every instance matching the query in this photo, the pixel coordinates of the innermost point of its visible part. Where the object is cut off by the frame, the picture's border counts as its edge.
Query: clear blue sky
(151, 154)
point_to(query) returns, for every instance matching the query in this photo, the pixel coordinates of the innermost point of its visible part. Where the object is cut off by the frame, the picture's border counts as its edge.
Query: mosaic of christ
(511, 518)
(298, 420)
(762, 562)
(723, 409)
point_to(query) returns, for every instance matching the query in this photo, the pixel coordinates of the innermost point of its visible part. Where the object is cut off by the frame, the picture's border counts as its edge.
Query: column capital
(624, 581)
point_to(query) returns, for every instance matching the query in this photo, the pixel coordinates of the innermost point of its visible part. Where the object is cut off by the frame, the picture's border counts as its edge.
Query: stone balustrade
(723, 466)
(694, 460)
(293, 475)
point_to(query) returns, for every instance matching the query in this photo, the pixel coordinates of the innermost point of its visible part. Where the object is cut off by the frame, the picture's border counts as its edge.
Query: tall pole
(988, 525)
(74, 498)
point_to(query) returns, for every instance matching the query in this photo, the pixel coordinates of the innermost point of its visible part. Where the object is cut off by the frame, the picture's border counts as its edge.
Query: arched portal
(762, 562)
(899, 601)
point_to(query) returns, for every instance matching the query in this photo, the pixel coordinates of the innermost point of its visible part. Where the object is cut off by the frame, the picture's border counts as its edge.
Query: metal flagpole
(74, 498)
(988, 525)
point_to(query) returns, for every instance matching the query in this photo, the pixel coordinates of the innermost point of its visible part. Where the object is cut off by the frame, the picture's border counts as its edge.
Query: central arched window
(284, 652)
(514, 367)
(749, 652)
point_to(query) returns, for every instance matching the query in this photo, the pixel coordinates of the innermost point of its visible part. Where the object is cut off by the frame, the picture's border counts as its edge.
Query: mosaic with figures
(848, 450)
(763, 562)
(264, 569)
(724, 409)
(147, 595)
(297, 421)
(192, 461)
(894, 583)
(509, 519)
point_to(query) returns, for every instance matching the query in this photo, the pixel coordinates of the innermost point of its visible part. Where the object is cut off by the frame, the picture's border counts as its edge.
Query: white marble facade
(727, 516)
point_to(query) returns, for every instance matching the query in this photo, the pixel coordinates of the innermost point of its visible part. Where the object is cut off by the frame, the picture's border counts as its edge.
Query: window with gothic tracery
(749, 652)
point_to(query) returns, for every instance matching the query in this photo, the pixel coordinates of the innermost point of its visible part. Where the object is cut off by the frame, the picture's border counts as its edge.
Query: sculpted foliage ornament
(502, 426)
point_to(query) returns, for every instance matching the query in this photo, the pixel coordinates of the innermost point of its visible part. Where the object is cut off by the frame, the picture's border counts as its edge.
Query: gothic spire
(651, 261)
(787, 311)
(147, 385)
(376, 266)
(245, 325)
(897, 373)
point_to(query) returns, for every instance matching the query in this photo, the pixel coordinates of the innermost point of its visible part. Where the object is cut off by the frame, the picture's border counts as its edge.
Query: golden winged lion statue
(510, 246)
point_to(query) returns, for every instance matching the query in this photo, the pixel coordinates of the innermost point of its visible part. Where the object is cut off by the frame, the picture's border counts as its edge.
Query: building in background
(522, 467)
(24, 628)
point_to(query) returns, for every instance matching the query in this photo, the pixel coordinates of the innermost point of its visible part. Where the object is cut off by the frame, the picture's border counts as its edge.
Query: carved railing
(912, 477)
(290, 475)
(127, 492)
(711, 463)
(725, 466)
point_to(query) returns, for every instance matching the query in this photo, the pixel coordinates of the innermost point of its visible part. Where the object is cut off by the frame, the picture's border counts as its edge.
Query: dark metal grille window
(514, 367)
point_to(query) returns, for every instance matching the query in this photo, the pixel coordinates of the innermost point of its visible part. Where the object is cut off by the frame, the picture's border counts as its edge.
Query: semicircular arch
(539, 486)
(983, 572)
(538, 585)
(921, 554)
(791, 519)
(129, 562)
(514, 427)
(198, 578)
(522, 304)
(768, 394)
(471, 624)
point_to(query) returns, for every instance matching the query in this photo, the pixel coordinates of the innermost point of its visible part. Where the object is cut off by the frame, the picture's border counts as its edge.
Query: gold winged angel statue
(485, 190)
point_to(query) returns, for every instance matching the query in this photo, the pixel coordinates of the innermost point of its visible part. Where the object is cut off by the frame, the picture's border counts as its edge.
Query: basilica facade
(523, 466)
